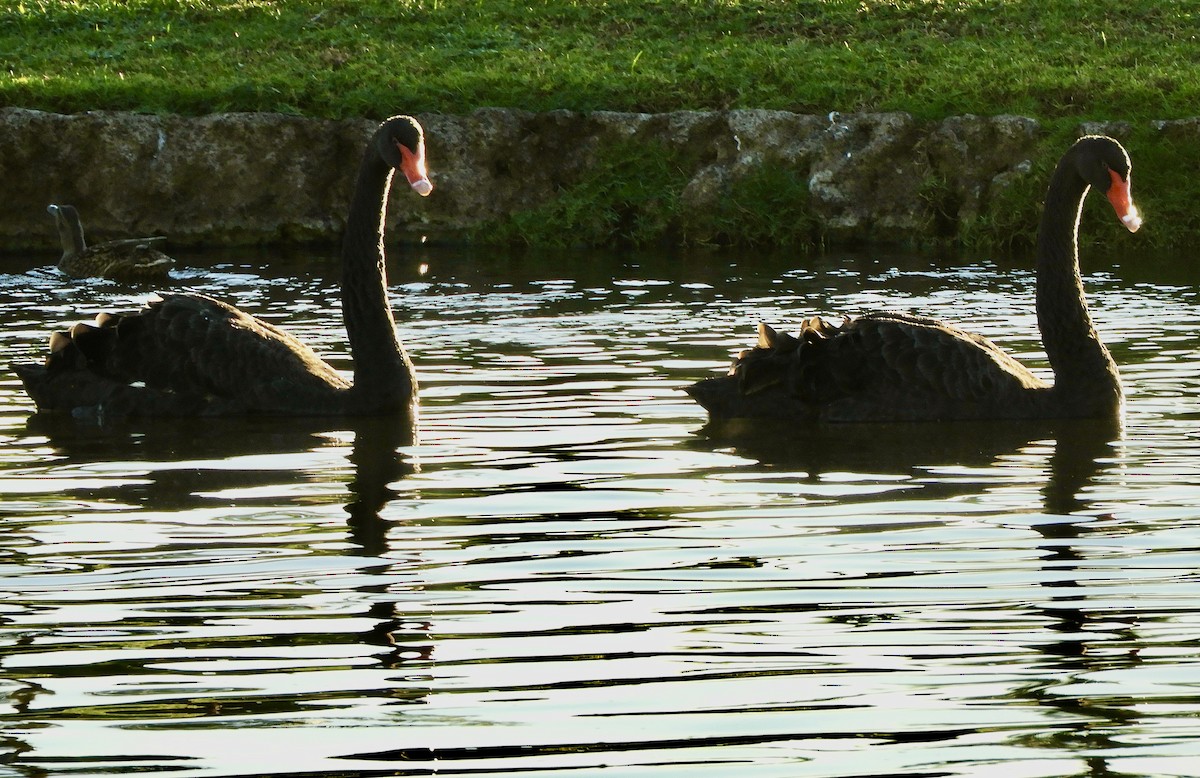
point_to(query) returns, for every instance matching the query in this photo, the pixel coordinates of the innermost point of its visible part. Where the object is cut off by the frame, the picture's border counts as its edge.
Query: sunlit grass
(1133, 60)
(365, 57)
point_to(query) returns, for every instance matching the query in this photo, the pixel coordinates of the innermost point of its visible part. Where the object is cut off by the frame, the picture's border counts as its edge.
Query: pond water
(565, 573)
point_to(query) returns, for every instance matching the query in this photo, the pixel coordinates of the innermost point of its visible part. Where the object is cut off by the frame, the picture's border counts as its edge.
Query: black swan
(899, 367)
(191, 355)
(132, 259)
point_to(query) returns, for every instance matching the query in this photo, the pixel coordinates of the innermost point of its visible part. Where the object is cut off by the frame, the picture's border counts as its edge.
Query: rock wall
(260, 178)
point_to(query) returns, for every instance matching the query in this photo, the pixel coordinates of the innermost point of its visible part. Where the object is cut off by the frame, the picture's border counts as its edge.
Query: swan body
(188, 354)
(900, 367)
(132, 259)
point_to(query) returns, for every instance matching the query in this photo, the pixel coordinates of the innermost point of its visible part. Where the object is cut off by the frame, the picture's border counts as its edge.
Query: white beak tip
(1132, 220)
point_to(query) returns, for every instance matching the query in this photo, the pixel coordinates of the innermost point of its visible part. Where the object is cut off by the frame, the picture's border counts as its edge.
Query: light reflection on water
(565, 574)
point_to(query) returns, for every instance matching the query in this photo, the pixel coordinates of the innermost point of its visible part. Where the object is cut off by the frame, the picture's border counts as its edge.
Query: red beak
(1122, 202)
(413, 167)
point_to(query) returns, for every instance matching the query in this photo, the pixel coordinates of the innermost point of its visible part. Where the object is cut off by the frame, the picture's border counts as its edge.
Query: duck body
(131, 259)
(188, 354)
(901, 367)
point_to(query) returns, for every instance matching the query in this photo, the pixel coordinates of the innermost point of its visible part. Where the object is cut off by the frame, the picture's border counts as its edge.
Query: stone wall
(260, 178)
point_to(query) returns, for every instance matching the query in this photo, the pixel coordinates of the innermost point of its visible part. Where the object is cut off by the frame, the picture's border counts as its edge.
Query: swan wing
(192, 346)
(887, 366)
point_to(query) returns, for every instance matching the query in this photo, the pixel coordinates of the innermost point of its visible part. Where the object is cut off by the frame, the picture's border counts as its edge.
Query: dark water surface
(565, 575)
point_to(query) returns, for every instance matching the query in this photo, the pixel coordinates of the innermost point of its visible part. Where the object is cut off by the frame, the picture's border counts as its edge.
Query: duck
(901, 367)
(187, 354)
(132, 259)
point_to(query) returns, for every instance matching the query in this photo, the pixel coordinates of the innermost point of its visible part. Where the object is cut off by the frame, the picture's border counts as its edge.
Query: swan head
(1104, 164)
(401, 143)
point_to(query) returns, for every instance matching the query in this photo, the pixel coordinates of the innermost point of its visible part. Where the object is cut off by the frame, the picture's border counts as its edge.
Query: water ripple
(568, 573)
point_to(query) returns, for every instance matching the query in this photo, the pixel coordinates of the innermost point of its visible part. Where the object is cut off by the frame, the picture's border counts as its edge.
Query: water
(565, 574)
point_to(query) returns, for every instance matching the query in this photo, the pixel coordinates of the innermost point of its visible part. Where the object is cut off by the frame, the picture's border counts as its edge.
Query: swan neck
(382, 372)
(1085, 374)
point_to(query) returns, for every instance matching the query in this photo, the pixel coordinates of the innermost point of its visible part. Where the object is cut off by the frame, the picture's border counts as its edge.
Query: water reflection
(1092, 638)
(568, 572)
(874, 448)
(199, 466)
(1081, 450)
(236, 450)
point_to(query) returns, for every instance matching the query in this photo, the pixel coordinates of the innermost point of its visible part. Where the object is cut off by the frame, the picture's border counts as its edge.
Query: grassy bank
(1133, 60)
(1044, 58)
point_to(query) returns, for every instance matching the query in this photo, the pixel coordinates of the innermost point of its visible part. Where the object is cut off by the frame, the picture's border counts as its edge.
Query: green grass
(767, 207)
(1055, 60)
(1128, 59)
(630, 198)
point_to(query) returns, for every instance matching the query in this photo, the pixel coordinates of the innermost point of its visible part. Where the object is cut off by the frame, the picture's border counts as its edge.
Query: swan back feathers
(881, 366)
